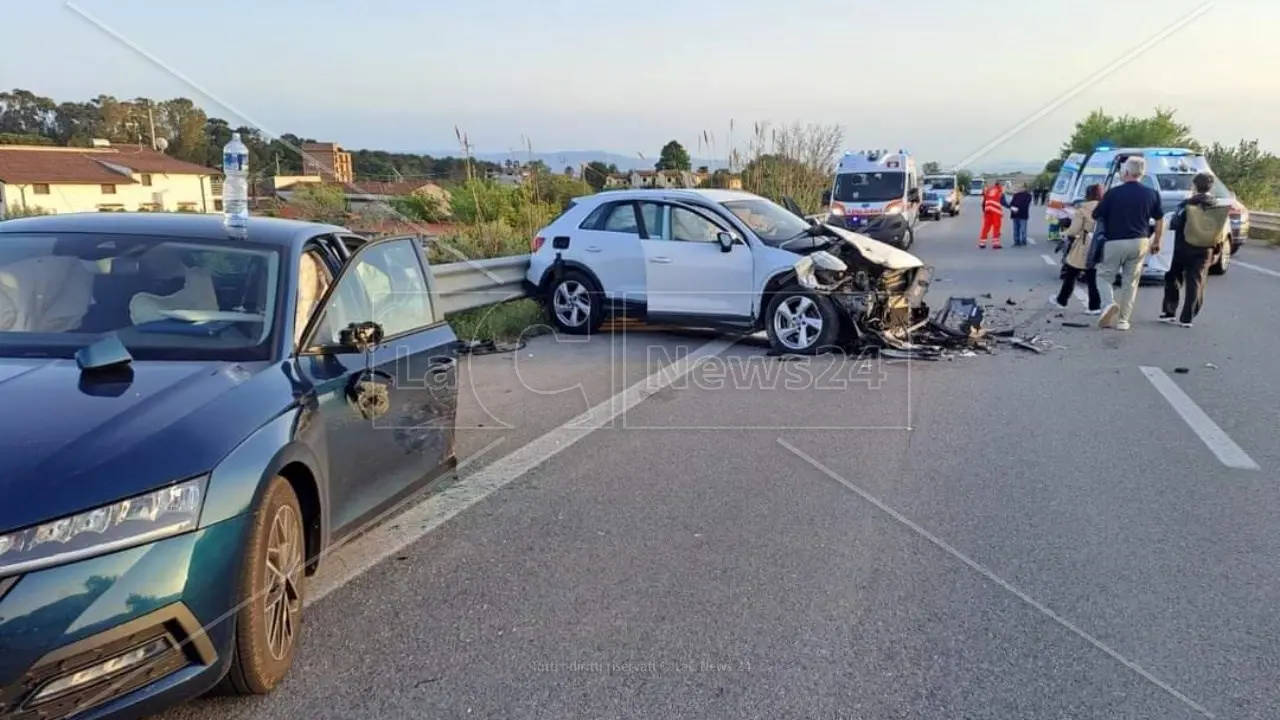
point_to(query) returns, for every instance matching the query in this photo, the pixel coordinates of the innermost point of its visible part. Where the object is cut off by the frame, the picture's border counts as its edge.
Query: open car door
(382, 364)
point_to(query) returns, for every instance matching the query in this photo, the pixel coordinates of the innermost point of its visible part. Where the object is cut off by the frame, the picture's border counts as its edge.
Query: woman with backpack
(1075, 261)
(1198, 227)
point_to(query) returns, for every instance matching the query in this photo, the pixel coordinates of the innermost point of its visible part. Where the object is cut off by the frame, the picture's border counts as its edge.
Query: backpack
(1204, 226)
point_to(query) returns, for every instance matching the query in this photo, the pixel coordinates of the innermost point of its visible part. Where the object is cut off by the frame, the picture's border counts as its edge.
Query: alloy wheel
(571, 304)
(283, 567)
(797, 323)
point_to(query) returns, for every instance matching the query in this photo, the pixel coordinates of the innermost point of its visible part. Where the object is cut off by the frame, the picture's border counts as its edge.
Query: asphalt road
(1009, 536)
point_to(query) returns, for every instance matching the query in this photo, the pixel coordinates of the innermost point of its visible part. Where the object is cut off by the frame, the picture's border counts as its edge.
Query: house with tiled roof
(50, 179)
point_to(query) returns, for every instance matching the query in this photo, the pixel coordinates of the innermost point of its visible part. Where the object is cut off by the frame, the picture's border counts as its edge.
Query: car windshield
(869, 187)
(940, 183)
(165, 298)
(1181, 182)
(771, 222)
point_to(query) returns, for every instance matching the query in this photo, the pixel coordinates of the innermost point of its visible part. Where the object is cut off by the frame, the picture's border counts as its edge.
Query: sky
(942, 78)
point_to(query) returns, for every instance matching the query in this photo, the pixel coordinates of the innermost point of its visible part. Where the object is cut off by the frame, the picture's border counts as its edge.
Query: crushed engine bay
(883, 299)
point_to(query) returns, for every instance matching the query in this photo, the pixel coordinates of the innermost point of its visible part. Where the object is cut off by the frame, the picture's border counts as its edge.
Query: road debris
(1211, 366)
(1182, 370)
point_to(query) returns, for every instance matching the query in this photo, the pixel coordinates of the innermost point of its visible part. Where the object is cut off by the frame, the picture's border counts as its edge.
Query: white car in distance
(723, 260)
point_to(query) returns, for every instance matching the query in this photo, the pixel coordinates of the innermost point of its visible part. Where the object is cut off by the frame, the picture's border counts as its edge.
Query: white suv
(719, 259)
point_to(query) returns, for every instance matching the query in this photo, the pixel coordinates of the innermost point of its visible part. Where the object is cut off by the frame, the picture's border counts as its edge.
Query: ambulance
(1079, 171)
(876, 193)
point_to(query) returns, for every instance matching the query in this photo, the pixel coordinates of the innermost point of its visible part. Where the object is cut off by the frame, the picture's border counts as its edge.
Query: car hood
(80, 443)
(877, 252)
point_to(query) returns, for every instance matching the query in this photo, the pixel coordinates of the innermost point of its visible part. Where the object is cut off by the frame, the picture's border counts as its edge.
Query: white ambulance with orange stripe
(876, 193)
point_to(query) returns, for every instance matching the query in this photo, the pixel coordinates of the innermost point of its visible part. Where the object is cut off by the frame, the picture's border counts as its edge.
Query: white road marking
(394, 534)
(1256, 268)
(982, 570)
(1031, 241)
(1048, 260)
(1214, 437)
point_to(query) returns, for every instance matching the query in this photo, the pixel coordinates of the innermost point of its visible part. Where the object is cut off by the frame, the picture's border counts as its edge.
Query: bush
(796, 161)
(15, 211)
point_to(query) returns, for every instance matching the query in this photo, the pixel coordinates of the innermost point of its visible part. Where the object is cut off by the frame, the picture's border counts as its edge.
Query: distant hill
(558, 160)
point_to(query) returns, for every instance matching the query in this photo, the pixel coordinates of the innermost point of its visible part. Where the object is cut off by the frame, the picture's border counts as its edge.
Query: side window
(1150, 182)
(655, 220)
(691, 227)
(387, 285)
(621, 219)
(314, 279)
(592, 221)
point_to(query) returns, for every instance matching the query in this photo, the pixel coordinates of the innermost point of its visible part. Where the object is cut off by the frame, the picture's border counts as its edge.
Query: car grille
(181, 644)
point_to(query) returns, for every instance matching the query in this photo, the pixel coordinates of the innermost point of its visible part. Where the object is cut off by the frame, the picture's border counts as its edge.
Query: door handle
(663, 260)
(593, 248)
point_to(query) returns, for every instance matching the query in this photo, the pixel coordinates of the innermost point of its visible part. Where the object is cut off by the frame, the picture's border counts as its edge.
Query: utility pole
(151, 119)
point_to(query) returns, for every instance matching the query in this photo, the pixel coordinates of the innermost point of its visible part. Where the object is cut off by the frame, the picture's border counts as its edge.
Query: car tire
(909, 239)
(811, 307)
(564, 304)
(1223, 263)
(269, 621)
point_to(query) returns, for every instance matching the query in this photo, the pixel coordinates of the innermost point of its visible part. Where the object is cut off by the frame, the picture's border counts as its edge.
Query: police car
(876, 193)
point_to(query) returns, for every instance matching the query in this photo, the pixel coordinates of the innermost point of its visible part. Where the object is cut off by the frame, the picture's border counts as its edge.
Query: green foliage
(421, 207)
(505, 322)
(796, 162)
(931, 168)
(15, 211)
(1159, 130)
(596, 173)
(963, 178)
(673, 157)
(24, 139)
(1252, 174)
(1054, 166)
(320, 203)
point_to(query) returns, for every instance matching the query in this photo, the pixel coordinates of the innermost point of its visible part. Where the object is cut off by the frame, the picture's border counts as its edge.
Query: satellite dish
(162, 144)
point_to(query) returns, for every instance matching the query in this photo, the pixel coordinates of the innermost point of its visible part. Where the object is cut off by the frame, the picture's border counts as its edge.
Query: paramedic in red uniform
(992, 215)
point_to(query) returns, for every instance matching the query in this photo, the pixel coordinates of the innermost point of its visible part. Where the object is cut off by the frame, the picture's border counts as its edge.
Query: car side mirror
(913, 195)
(826, 197)
(362, 337)
(725, 240)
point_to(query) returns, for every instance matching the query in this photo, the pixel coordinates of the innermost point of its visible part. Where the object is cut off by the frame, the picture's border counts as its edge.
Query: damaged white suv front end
(854, 292)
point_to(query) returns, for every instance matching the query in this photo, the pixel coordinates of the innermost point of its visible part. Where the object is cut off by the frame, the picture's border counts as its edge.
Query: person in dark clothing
(1190, 264)
(1020, 213)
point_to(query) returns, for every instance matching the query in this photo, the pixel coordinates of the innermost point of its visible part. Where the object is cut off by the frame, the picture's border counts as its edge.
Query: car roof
(709, 195)
(195, 226)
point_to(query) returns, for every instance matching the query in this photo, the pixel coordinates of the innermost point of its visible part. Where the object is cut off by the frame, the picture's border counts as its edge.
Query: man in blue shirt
(1125, 216)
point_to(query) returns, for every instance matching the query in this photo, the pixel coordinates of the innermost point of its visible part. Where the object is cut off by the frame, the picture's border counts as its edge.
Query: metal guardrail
(471, 284)
(1264, 221)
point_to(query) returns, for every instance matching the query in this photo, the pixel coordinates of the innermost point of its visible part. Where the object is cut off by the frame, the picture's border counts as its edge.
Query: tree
(537, 167)
(1159, 130)
(596, 174)
(796, 161)
(932, 168)
(1251, 173)
(963, 178)
(673, 157)
(1054, 166)
(568, 171)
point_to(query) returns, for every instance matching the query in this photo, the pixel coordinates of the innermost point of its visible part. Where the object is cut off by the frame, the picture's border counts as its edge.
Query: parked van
(876, 193)
(976, 186)
(948, 189)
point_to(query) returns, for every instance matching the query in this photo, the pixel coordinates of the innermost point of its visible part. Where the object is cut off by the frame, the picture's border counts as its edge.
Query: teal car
(192, 419)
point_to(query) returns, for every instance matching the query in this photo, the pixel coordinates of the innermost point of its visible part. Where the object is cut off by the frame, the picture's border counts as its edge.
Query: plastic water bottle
(235, 183)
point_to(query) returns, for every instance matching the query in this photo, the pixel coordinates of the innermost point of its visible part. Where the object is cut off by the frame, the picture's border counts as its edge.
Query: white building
(35, 178)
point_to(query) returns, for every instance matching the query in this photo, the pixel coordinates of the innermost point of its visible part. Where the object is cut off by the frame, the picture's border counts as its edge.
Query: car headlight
(893, 210)
(138, 520)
